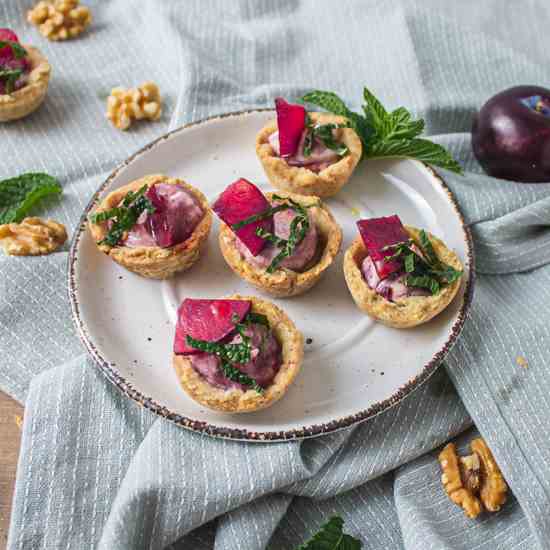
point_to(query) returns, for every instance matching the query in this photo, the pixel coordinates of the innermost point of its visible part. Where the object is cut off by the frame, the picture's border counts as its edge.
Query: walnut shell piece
(60, 19)
(474, 482)
(32, 237)
(126, 105)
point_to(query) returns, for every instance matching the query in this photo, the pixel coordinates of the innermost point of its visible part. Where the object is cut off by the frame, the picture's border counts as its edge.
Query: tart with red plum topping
(280, 243)
(238, 354)
(154, 226)
(307, 153)
(24, 77)
(400, 275)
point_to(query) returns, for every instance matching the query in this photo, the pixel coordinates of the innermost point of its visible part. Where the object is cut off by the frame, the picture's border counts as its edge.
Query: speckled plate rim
(240, 433)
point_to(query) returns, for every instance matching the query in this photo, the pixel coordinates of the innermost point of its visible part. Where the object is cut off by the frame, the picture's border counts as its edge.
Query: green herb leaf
(426, 271)
(409, 263)
(10, 76)
(419, 149)
(233, 353)
(424, 281)
(259, 217)
(18, 50)
(233, 373)
(18, 195)
(124, 216)
(331, 536)
(256, 319)
(298, 228)
(386, 134)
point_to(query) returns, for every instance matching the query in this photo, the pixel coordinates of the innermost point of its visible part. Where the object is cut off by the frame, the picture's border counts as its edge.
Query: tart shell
(283, 282)
(27, 99)
(407, 312)
(301, 180)
(236, 400)
(155, 262)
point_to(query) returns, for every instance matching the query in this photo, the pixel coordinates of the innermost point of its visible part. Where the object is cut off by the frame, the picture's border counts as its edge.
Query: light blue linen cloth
(97, 471)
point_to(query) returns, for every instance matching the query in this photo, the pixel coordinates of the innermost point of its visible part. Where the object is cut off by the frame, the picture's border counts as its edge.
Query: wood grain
(11, 418)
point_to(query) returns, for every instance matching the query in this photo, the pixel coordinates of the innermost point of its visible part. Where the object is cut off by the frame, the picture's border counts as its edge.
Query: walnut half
(125, 106)
(473, 482)
(32, 237)
(60, 19)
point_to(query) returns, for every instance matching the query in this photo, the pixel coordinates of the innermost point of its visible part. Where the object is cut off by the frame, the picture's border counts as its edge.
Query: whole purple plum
(511, 134)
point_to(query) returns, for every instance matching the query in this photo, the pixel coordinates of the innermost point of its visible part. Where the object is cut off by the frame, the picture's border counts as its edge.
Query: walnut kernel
(60, 19)
(32, 237)
(475, 481)
(124, 106)
(453, 482)
(493, 486)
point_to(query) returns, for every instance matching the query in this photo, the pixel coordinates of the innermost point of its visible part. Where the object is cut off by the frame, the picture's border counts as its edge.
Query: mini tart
(301, 180)
(236, 400)
(285, 282)
(406, 312)
(154, 262)
(27, 99)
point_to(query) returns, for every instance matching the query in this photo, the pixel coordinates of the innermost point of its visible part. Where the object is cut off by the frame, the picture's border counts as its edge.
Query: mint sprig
(384, 133)
(331, 536)
(19, 194)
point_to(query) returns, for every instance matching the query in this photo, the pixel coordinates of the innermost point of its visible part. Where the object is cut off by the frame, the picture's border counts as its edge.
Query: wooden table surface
(11, 418)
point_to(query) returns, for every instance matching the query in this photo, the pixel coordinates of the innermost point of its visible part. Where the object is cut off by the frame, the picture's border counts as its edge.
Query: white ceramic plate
(354, 368)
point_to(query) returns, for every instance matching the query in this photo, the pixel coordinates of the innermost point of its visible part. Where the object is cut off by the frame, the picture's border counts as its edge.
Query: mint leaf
(386, 134)
(18, 195)
(423, 281)
(419, 149)
(332, 537)
(329, 101)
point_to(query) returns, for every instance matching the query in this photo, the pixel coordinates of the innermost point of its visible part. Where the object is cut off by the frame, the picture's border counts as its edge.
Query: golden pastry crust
(285, 282)
(301, 180)
(406, 312)
(27, 99)
(155, 262)
(237, 400)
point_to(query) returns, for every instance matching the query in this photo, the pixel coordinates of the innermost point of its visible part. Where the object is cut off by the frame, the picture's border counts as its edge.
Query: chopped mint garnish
(331, 536)
(423, 272)
(18, 195)
(386, 134)
(324, 133)
(124, 216)
(18, 51)
(230, 354)
(298, 228)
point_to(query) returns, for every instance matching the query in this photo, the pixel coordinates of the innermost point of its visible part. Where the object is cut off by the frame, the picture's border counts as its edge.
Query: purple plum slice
(291, 122)
(210, 320)
(240, 201)
(377, 233)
